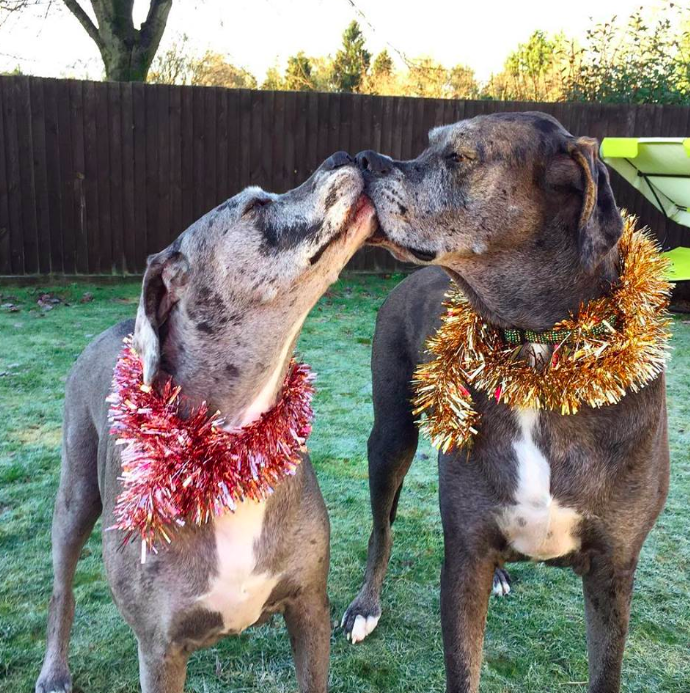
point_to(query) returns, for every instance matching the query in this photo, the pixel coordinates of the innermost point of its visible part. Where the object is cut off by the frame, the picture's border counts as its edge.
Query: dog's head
(504, 187)
(238, 280)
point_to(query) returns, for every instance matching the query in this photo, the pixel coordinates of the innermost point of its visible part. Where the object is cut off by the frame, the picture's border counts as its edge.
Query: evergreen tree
(351, 61)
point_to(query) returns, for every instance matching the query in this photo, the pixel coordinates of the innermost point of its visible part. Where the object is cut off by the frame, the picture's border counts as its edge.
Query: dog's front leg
(162, 668)
(607, 589)
(308, 621)
(466, 583)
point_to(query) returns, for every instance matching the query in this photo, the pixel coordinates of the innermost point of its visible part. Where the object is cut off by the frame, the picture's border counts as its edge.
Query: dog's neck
(533, 289)
(240, 373)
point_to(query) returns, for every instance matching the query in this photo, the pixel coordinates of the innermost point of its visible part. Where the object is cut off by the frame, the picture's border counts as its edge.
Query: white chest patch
(537, 525)
(238, 592)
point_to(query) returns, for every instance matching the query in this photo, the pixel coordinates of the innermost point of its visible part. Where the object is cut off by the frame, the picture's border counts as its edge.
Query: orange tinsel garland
(590, 367)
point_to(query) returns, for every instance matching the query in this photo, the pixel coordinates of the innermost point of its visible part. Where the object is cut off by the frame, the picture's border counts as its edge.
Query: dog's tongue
(362, 203)
(364, 208)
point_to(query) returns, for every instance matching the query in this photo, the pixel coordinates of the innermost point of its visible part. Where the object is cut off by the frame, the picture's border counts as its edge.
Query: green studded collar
(554, 336)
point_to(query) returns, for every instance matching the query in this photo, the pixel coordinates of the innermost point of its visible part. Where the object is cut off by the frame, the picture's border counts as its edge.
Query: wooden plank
(334, 125)
(105, 236)
(347, 102)
(256, 150)
(279, 137)
(22, 102)
(53, 174)
(459, 110)
(311, 150)
(151, 95)
(366, 128)
(357, 143)
(91, 134)
(117, 197)
(439, 106)
(234, 145)
(302, 136)
(163, 233)
(408, 145)
(129, 228)
(559, 110)
(176, 225)
(40, 173)
(187, 147)
(448, 112)
(376, 115)
(322, 147)
(222, 192)
(398, 124)
(290, 134)
(5, 248)
(472, 108)
(244, 144)
(199, 202)
(267, 164)
(210, 179)
(76, 110)
(419, 135)
(387, 124)
(140, 165)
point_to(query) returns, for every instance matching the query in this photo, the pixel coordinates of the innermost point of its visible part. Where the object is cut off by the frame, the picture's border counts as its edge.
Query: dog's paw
(360, 619)
(56, 680)
(501, 583)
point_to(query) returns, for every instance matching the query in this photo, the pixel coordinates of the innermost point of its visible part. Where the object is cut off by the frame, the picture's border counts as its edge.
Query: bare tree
(127, 52)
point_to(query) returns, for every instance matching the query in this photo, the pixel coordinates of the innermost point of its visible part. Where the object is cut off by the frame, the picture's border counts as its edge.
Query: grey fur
(220, 313)
(506, 222)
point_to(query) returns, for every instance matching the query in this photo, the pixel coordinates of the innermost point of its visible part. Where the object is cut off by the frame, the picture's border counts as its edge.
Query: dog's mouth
(358, 212)
(405, 253)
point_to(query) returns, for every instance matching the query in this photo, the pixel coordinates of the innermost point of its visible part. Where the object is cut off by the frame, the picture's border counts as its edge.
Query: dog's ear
(166, 275)
(600, 225)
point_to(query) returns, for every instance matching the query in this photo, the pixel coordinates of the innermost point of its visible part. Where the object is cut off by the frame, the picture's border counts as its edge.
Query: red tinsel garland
(178, 471)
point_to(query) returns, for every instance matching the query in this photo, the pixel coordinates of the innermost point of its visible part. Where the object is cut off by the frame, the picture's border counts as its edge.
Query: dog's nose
(373, 162)
(337, 160)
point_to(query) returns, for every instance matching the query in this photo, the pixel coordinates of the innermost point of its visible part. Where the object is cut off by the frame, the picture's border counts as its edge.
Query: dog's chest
(537, 525)
(237, 591)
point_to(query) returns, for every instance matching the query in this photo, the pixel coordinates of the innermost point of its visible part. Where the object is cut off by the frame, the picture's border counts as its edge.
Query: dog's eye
(458, 158)
(254, 204)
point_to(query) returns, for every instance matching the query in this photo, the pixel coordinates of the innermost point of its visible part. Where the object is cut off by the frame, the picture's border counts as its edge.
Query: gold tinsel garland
(589, 367)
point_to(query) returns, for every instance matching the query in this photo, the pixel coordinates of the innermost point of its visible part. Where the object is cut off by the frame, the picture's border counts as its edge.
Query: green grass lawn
(535, 638)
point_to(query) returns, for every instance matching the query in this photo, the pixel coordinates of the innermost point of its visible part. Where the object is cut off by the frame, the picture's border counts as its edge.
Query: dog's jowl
(220, 312)
(518, 216)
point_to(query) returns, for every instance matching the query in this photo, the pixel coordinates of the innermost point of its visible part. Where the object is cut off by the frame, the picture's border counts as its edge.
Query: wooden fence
(95, 176)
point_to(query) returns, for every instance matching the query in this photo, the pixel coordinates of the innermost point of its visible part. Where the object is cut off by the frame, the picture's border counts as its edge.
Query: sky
(257, 34)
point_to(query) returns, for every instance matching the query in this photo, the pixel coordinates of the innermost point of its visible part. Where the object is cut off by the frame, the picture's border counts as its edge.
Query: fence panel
(95, 176)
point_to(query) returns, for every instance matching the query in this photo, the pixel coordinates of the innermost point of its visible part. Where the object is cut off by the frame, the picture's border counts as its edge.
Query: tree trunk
(125, 63)
(127, 52)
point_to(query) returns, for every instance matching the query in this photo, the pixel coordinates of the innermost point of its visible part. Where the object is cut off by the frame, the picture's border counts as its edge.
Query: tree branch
(76, 9)
(154, 26)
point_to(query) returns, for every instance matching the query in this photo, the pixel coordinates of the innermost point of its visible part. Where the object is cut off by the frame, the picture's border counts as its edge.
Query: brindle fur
(220, 310)
(521, 215)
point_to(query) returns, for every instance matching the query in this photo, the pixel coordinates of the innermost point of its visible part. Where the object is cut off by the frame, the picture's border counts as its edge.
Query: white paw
(363, 627)
(501, 587)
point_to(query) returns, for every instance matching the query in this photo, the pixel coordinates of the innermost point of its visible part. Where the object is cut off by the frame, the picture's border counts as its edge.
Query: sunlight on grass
(535, 639)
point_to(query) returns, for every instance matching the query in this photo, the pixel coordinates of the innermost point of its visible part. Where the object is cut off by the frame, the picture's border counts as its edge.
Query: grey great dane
(220, 312)
(521, 215)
